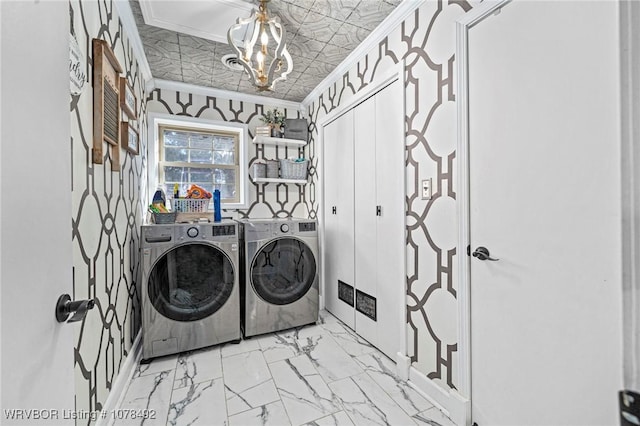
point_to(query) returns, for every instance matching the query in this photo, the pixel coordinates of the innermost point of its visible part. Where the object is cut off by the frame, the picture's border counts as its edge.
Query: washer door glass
(191, 282)
(283, 271)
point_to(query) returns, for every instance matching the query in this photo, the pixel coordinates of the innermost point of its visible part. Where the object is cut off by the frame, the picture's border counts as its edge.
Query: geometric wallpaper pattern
(108, 207)
(107, 214)
(426, 43)
(266, 200)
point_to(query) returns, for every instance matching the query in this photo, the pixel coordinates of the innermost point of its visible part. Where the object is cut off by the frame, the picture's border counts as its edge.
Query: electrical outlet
(426, 189)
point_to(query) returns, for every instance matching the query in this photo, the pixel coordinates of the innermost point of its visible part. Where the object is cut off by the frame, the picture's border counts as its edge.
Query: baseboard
(120, 386)
(450, 402)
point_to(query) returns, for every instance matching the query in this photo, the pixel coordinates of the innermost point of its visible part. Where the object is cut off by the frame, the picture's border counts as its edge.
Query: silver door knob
(482, 253)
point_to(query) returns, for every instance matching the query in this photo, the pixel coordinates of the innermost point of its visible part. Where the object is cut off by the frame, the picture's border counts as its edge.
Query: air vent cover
(231, 61)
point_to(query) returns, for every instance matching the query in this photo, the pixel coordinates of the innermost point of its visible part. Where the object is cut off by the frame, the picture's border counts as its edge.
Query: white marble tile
(201, 403)
(198, 366)
(367, 404)
(383, 371)
(248, 382)
(303, 332)
(348, 339)
(331, 361)
(150, 395)
(272, 414)
(433, 417)
(326, 317)
(304, 394)
(336, 419)
(248, 345)
(155, 366)
(277, 347)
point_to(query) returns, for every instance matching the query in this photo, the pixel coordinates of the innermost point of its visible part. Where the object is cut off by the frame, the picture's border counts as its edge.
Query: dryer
(280, 274)
(190, 286)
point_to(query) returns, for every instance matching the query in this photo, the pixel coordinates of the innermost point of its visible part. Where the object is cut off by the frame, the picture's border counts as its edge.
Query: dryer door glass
(191, 282)
(283, 271)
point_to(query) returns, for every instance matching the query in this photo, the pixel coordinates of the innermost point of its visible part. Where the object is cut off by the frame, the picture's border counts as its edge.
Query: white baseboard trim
(403, 364)
(451, 403)
(120, 386)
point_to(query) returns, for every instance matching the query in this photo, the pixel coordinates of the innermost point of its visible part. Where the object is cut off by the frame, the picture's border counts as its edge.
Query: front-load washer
(190, 296)
(280, 274)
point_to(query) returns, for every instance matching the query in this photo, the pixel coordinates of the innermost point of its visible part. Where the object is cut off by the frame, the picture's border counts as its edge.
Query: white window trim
(155, 120)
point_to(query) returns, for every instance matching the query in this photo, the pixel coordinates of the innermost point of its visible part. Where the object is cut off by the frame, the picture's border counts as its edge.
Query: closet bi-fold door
(379, 218)
(338, 215)
(390, 193)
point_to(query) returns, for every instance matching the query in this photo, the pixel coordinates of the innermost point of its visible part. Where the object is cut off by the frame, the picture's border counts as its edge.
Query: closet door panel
(345, 189)
(336, 245)
(366, 237)
(390, 193)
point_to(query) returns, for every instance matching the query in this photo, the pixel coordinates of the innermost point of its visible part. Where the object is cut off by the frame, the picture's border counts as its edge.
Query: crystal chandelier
(268, 61)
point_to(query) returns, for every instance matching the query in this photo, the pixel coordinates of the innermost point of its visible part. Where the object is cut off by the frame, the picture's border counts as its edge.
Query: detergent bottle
(217, 213)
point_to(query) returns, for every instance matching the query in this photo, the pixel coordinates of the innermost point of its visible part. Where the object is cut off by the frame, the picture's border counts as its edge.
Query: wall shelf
(266, 140)
(279, 180)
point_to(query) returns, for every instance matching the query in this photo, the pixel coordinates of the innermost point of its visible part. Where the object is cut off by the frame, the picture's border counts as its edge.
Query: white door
(37, 352)
(338, 214)
(379, 216)
(545, 200)
(366, 234)
(390, 194)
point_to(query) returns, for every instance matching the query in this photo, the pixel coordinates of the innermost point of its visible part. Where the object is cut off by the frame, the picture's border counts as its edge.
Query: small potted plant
(274, 119)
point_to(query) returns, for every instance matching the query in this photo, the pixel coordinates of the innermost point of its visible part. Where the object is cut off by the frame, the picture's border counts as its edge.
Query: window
(204, 153)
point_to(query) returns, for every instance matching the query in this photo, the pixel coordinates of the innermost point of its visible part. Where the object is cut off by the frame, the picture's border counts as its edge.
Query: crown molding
(131, 29)
(391, 22)
(243, 8)
(225, 94)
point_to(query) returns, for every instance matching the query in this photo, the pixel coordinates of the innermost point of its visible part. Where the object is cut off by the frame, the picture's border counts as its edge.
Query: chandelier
(267, 62)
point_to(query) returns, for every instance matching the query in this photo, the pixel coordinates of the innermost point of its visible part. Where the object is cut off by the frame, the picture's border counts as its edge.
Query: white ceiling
(205, 19)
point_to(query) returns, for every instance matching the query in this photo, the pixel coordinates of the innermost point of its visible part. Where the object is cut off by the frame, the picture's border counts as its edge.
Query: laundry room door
(36, 257)
(544, 197)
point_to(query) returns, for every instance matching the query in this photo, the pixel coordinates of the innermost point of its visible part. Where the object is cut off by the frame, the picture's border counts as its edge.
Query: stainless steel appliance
(190, 286)
(280, 274)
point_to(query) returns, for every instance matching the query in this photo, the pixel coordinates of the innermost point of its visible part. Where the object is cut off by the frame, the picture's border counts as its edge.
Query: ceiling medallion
(267, 62)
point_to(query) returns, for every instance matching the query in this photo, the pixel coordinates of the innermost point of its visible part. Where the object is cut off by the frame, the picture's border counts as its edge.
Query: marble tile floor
(321, 374)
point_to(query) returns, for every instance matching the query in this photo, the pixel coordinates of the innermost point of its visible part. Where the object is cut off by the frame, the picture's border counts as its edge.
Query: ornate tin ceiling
(321, 35)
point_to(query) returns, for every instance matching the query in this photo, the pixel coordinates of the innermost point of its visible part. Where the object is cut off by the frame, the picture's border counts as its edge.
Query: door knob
(482, 253)
(65, 307)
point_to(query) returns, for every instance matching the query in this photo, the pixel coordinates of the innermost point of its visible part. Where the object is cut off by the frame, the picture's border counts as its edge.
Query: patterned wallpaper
(266, 200)
(426, 42)
(107, 214)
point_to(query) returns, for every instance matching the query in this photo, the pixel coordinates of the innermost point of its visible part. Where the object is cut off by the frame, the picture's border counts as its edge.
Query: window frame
(156, 156)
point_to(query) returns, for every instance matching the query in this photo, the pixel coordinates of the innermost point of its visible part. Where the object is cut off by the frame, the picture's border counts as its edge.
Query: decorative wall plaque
(129, 138)
(106, 103)
(128, 101)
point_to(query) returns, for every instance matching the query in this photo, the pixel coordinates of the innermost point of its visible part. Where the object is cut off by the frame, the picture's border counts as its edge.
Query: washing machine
(280, 276)
(190, 286)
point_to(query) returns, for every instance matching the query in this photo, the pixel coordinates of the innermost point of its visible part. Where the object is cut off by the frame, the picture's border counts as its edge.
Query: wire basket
(191, 205)
(291, 169)
(164, 218)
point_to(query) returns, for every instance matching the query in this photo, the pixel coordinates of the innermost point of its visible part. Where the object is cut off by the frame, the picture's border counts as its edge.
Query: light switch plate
(426, 189)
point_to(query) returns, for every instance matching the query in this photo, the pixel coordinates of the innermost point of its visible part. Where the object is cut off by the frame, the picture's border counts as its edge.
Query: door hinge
(334, 210)
(378, 210)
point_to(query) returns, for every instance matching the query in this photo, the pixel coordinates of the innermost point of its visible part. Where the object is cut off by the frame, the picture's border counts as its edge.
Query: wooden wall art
(106, 103)
(128, 101)
(129, 138)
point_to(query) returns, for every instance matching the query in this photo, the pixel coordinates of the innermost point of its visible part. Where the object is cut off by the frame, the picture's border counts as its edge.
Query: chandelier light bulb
(270, 65)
